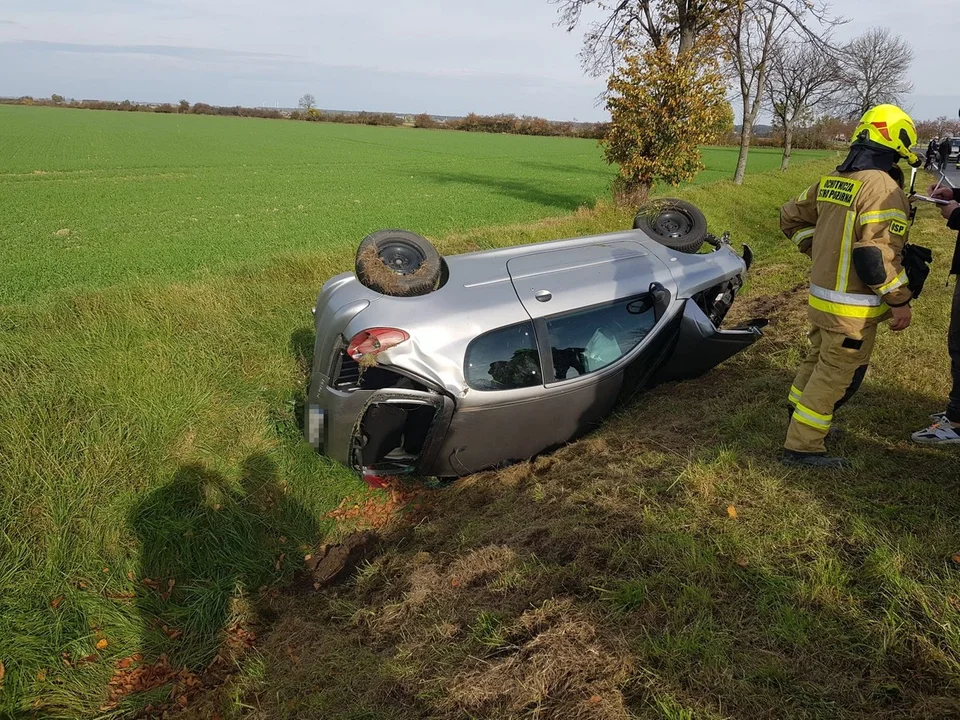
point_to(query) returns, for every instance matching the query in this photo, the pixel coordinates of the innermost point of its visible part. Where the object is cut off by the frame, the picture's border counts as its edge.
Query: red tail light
(375, 340)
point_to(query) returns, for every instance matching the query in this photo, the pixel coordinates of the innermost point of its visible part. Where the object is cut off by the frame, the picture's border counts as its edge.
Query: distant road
(953, 174)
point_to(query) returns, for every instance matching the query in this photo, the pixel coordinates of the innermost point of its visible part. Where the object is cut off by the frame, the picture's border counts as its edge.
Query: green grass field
(156, 497)
(99, 198)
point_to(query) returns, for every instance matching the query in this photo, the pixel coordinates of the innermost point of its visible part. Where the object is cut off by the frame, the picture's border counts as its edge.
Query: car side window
(504, 359)
(587, 340)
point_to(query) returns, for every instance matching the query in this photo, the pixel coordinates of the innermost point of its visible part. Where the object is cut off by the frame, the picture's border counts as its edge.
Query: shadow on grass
(568, 168)
(520, 189)
(302, 342)
(204, 542)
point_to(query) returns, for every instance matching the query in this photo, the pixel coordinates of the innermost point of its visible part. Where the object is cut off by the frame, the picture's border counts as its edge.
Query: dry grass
(377, 273)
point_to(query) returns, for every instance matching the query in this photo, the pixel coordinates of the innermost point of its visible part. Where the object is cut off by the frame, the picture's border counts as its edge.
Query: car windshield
(587, 340)
(504, 359)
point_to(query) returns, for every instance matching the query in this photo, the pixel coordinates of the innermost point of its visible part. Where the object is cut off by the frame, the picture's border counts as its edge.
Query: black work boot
(817, 461)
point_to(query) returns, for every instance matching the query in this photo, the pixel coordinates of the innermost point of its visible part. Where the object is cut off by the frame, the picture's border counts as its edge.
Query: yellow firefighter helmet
(890, 127)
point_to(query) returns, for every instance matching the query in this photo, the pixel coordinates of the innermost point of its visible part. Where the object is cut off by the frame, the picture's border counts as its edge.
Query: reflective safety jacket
(854, 226)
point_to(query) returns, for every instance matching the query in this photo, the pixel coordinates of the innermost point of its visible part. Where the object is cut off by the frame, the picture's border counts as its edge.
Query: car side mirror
(660, 297)
(658, 292)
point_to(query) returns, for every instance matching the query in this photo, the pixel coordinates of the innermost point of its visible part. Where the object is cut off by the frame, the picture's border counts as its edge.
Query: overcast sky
(446, 57)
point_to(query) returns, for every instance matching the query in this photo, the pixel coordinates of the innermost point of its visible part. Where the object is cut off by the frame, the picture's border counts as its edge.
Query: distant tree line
(503, 123)
(513, 125)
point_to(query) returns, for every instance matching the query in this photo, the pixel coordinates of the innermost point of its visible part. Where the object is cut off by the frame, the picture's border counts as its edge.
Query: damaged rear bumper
(385, 432)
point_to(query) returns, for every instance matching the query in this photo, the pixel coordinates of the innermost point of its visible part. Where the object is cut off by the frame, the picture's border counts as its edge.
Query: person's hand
(902, 316)
(941, 193)
(949, 209)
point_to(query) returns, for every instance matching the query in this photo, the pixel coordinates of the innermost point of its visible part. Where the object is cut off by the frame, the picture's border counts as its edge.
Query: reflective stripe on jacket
(830, 219)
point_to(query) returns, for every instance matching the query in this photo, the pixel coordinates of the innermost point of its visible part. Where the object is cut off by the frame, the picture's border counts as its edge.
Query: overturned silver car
(443, 367)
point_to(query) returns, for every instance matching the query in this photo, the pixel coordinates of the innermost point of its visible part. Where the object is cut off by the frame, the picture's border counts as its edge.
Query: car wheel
(398, 262)
(675, 223)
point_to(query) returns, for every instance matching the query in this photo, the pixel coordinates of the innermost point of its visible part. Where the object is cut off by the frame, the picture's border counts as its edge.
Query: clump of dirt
(375, 272)
(334, 563)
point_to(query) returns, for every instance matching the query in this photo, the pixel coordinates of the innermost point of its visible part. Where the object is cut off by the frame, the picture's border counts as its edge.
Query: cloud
(10, 23)
(174, 51)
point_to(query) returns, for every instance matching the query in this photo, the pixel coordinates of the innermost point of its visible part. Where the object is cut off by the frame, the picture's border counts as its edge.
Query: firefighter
(853, 225)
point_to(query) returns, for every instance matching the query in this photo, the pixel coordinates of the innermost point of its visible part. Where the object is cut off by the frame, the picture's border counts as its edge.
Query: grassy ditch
(155, 496)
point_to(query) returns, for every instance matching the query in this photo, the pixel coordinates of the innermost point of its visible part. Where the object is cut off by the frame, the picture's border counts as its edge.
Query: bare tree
(307, 102)
(875, 68)
(751, 31)
(680, 23)
(801, 79)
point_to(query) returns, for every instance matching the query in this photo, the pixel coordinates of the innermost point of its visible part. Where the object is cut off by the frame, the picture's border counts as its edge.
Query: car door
(512, 411)
(599, 314)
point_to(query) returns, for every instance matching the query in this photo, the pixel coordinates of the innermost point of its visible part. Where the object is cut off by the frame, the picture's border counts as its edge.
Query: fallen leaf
(106, 570)
(170, 583)
(455, 583)
(596, 700)
(283, 539)
(307, 557)
(41, 675)
(124, 663)
(3, 672)
(182, 700)
(742, 562)
(732, 512)
(102, 644)
(956, 559)
(55, 603)
(130, 575)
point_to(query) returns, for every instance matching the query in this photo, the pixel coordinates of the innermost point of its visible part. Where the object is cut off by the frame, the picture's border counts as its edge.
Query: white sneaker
(942, 432)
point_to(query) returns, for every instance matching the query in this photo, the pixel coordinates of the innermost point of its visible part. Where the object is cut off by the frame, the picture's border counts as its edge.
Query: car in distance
(431, 366)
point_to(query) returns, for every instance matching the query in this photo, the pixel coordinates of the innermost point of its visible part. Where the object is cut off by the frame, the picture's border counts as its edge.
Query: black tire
(675, 223)
(399, 263)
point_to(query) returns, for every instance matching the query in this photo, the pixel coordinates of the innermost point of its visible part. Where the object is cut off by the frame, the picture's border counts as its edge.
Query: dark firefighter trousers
(953, 408)
(829, 376)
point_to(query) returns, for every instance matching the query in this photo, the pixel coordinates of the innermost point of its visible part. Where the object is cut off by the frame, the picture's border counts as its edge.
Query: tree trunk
(631, 192)
(787, 147)
(750, 111)
(745, 136)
